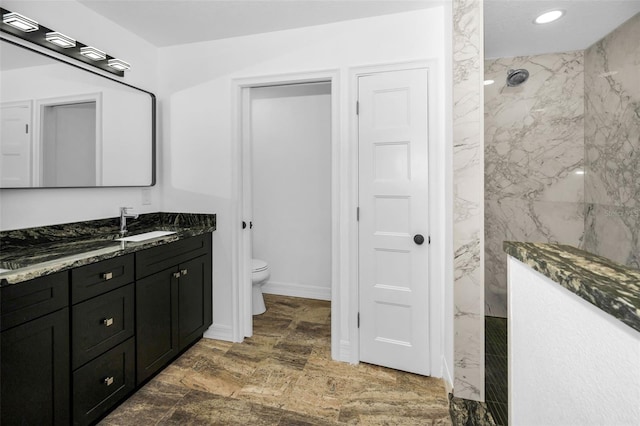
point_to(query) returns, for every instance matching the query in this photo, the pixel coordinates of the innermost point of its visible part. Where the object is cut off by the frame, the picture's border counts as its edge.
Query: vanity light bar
(30, 31)
(60, 39)
(93, 53)
(119, 64)
(20, 22)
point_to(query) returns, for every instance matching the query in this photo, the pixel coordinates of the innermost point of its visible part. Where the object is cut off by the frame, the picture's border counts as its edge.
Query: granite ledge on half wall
(34, 252)
(610, 286)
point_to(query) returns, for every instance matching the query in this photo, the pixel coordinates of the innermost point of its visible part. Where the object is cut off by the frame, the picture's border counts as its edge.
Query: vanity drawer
(100, 323)
(92, 280)
(158, 258)
(103, 382)
(23, 302)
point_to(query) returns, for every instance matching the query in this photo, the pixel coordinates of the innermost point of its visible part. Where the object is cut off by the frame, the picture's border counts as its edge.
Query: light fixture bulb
(60, 39)
(488, 82)
(20, 22)
(93, 53)
(118, 64)
(552, 15)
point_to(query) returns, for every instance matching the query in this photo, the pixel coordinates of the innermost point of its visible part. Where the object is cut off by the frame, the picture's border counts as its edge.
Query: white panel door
(15, 145)
(393, 201)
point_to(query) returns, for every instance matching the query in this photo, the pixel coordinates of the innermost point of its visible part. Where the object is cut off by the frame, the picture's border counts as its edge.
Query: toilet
(259, 275)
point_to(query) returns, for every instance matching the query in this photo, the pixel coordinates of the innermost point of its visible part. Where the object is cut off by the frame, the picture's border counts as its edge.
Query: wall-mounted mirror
(65, 126)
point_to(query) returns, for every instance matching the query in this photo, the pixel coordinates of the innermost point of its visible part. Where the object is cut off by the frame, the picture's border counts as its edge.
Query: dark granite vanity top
(34, 252)
(612, 287)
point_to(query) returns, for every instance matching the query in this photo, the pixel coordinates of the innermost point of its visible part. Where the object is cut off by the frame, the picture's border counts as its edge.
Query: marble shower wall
(612, 144)
(534, 160)
(468, 193)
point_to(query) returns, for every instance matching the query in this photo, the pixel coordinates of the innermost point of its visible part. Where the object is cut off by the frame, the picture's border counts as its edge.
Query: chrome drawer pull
(176, 275)
(108, 381)
(183, 272)
(107, 322)
(107, 275)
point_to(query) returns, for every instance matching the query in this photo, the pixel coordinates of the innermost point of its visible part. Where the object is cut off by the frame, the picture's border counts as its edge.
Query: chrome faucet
(124, 215)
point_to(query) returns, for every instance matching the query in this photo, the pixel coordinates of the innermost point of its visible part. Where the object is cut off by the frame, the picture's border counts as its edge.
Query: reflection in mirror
(63, 126)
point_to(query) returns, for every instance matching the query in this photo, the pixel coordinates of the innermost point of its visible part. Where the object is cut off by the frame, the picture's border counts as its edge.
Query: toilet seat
(258, 265)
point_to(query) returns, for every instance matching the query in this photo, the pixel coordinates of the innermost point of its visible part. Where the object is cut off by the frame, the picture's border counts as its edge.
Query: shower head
(517, 77)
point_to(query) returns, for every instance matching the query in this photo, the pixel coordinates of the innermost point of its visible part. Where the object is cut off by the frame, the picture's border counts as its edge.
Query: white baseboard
(344, 354)
(219, 332)
(297, 290)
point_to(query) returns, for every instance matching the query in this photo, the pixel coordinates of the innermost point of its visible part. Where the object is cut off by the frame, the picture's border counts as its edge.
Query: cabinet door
(194, 299)
(156, 322)
(35, 372)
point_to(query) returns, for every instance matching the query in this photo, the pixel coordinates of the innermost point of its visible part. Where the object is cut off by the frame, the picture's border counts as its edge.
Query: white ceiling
(509, 28)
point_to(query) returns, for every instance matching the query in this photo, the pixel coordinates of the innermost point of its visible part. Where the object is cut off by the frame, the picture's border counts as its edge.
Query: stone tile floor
(283, 375)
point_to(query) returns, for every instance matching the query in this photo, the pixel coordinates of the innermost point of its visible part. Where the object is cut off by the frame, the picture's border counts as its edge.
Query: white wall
(35, 207)
(570, 363)
(291, 174)
(195, 86)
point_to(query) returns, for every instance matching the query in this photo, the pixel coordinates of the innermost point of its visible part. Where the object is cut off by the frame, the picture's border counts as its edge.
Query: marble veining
(610, 286)
(34, 252)
(468, 194)
(534, 159)
(612, 145)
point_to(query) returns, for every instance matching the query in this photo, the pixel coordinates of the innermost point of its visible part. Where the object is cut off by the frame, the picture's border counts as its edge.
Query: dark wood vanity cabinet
(76, 343)
(35, 356)
(102, 336)
(173, 301)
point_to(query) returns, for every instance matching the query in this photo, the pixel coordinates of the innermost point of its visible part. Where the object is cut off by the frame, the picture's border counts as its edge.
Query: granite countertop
(610, 286)
(34, 252)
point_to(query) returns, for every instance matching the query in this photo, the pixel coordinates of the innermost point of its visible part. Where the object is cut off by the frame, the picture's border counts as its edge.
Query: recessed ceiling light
(550, 16)
(119, 64)
(93, 53)
(579, 172)
(20, 22)
(60, 39)
(488, 82)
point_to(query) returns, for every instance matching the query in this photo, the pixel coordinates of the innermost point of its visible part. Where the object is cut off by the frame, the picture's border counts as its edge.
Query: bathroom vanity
(82, 329)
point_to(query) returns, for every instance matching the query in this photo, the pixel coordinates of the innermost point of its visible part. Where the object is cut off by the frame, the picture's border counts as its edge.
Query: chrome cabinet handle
(183, 272)
(108, 381)
(107, 322)
(107, 275)
(176, 275)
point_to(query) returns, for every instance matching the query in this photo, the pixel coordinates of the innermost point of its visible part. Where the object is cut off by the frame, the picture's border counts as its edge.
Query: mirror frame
(153, 119)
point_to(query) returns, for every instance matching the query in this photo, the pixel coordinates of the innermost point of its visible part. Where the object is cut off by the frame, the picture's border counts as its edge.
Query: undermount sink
(146, 236)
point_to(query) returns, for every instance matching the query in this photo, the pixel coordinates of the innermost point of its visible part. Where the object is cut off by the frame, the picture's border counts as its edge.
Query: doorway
(293, 228)
(288, 188)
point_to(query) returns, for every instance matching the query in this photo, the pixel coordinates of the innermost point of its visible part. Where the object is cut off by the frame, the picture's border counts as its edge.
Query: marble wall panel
(534, 160)
(612, 144)
(537, 221)
(534, 133)
(468, 194)
(613, 232)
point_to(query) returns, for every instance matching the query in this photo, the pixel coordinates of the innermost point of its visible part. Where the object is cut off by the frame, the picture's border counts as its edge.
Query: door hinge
(429, 239)
(26, 128)
(358, 214)
(357, 107)
(358, 319)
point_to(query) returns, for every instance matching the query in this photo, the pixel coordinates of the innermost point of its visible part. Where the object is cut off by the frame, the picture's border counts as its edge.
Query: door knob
(244, 224)
(418, 239)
